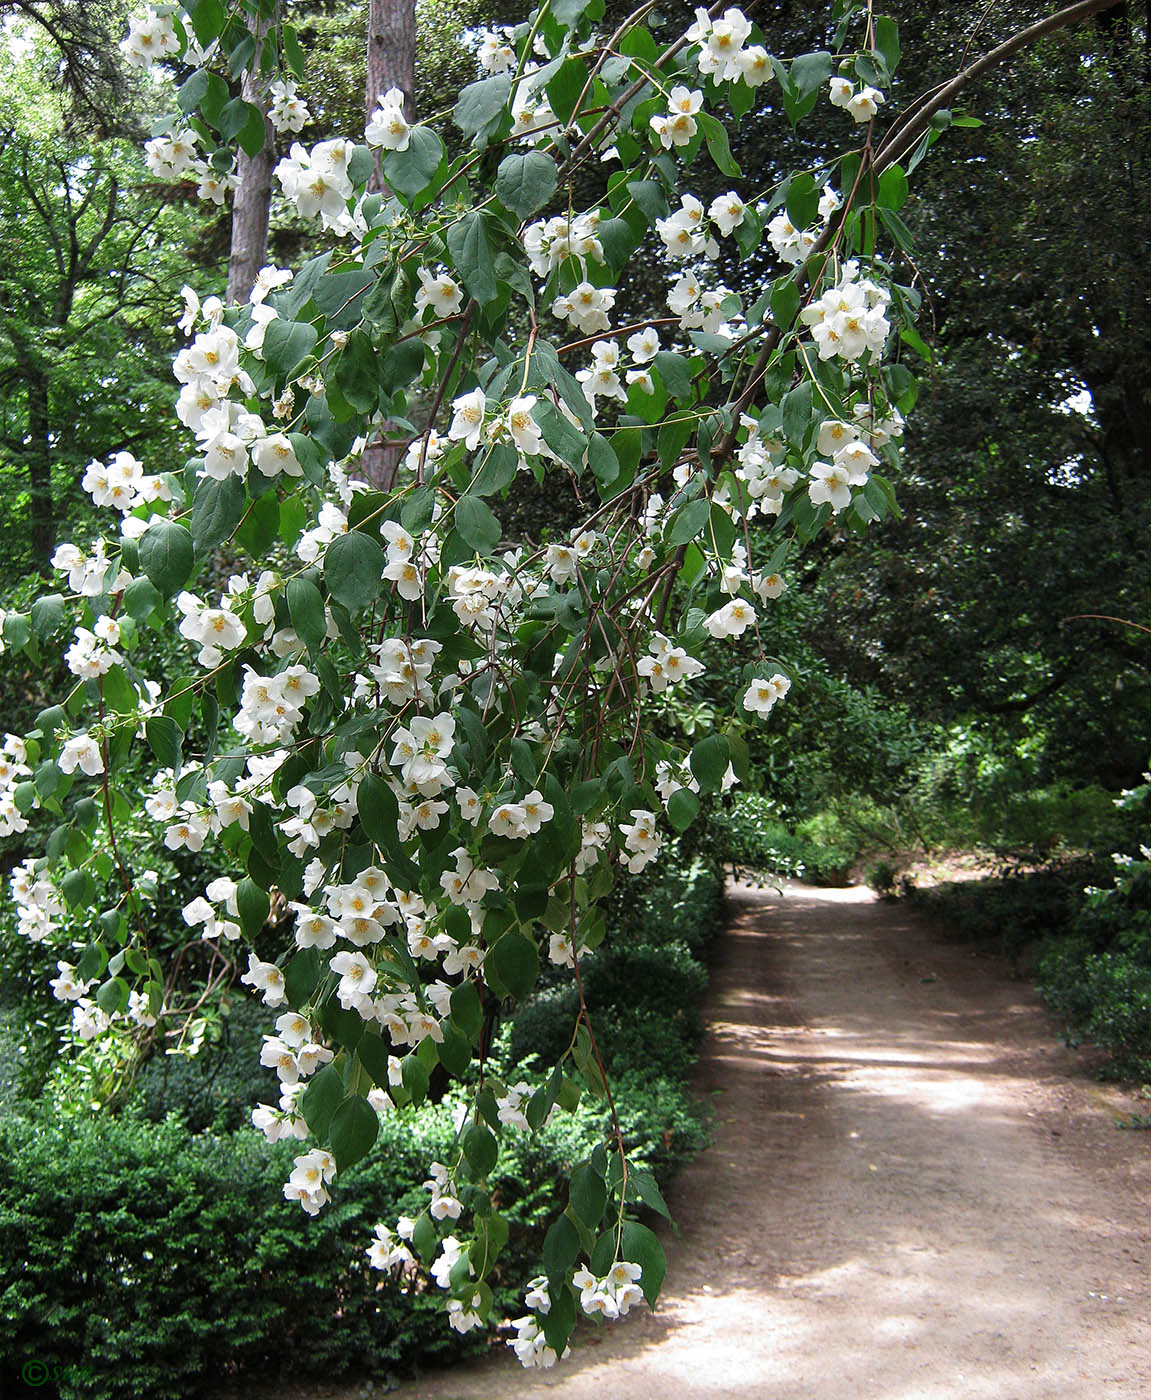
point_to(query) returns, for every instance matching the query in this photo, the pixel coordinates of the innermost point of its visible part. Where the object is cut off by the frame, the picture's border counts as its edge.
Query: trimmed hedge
(146, 1259)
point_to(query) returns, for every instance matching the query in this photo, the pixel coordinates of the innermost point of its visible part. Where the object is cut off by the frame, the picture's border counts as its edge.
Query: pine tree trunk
(252, 200)
(391, 63)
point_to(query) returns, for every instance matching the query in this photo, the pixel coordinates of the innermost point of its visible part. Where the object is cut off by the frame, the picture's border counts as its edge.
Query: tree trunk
(391, 58)
(252, 200)
(42, 507)
(391, 63)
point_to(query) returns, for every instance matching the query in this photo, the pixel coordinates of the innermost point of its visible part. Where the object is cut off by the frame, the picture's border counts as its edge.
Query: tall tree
(87, 282)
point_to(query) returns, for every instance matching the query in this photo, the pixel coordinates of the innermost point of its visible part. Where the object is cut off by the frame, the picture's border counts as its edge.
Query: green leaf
(454, 1051)
(588, 1195)
(17, 630)
(353, 568)
(416, 1078)
(92, 963)
(373, 1054)
(306, 610)
(639, 1246)
(379, 811)
(568, 12)
(687, 522)
(217, 508)
(292, 50)
(650, 196)
(164, 738)
(809, 72)
(675, 371)
(673, 435)
(709, 760)
(472, 253)
(167, 555)
(682, 808)
(887, 42)
(112, 996)
(254, 906)
(802, 200)
(525, 183)
(892, 188)
(319, 1101)
(715, 134)
(513, 965)
(785, 299)
(47, 614)
(478, 526)
(561, 1246)
(566, 441)
(480, 104)
(192, 90)
(141, 599)
(897, 229)
(413, 171)
(302, 976)
(207, 18)
(244, 121)
(497, 470)
(286, 343)
(467, 1012)
(481, 1149)
(353, 1132)
(79, 888)
(797, 410)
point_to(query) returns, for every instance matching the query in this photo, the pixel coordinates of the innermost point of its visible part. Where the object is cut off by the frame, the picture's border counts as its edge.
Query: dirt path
(915, 1193)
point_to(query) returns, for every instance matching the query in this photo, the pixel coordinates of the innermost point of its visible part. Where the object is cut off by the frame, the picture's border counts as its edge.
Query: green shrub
(149, 1260)
(1098, 976)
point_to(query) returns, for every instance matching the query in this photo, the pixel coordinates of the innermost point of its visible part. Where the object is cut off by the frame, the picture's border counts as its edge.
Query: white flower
(864, 105)
(644, 345)
(732, 620)
(841, 91)
(439, 291)
(468, 420)
(388, 127)
(266, 978)
(726, 211)
(357, 977)
(523, 427)
(82, 751)
(830, 485)
(761, 695)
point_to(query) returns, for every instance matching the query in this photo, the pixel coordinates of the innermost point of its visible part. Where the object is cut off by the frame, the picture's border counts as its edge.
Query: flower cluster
(287, 111)
(319, 185)
(849, 318)
(151, 37)
(862, 104)
(14, 769)
(724, 53)
(612, 1296)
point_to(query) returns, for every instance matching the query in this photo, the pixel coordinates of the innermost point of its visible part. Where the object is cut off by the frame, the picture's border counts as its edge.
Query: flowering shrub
(424, 748)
